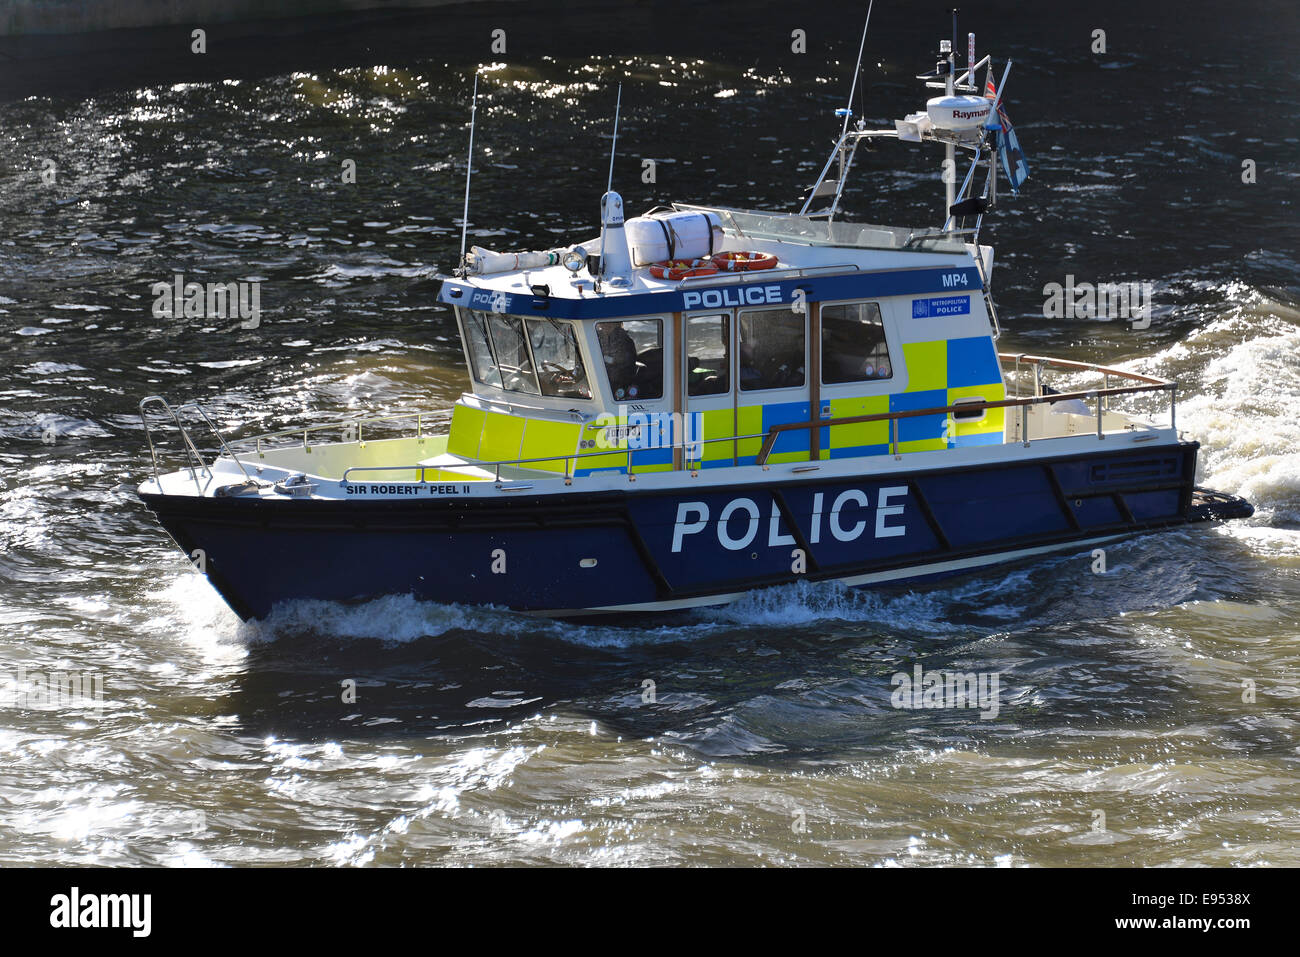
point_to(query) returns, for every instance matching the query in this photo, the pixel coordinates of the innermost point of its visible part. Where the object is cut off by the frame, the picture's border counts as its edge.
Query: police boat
(699, 402)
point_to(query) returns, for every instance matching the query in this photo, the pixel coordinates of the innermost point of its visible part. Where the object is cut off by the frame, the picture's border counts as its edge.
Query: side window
(708, 355)
(771, 350)
(853, 343)
(633, 353)
(481, 362)
(559, 363)
(516, 366)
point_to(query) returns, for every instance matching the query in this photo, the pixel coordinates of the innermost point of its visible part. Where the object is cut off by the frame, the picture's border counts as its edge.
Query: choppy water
(482, 737)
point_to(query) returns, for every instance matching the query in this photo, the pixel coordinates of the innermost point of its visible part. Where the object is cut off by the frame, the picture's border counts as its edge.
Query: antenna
(949, 152)
(469, 170)
(613, 148)
(954, 36)
(853, 88)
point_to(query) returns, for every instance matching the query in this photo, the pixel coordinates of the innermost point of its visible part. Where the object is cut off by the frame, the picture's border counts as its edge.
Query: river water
(1146, 715)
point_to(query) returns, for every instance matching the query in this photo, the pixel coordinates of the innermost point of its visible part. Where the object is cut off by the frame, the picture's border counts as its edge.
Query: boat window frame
(665, 335)
(727, 315)
(574, 339)
(900, 375)
(806, 315)
(465, 316)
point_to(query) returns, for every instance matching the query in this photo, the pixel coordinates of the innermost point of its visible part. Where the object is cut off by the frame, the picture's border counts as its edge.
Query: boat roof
(827, 260)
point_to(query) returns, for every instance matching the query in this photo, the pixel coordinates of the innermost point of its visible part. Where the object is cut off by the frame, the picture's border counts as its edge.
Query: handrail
(769, 439)
(418, 415)
(195, 457)
(785, 272)
(197, 460)
(542, 458)
(775, 431)
(1082, 366)
(915, 237)
(217, 432)
(335, 424)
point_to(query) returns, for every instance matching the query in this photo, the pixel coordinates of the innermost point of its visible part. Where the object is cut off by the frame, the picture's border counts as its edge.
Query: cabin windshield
(527, 355)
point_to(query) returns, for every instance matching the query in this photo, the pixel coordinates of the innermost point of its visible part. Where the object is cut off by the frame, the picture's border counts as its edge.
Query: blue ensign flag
(1013, 157)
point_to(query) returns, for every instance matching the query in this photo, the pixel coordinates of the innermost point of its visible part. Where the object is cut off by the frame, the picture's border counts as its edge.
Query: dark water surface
(483, 737)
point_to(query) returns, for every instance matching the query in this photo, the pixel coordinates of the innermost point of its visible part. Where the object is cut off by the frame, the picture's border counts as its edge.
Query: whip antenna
(469, 171)
(856, 70)
(609, 185)
(614, 146)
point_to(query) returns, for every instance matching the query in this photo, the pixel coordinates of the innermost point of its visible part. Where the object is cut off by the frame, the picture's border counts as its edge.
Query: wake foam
(1246, 410)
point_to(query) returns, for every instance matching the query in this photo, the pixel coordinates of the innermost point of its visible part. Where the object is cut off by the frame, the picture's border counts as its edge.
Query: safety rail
(359, 423)
(1037, 363)
(915, 239)
(567, 459)
(773, 434)
(779, 272)
(807, 228)
(343, 424)
(964, 407)
(1147, 384)
(197, 462)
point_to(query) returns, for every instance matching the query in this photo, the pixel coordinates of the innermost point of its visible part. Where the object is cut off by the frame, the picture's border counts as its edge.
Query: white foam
(400, 619)
(803, 602)
(186, 607)
(1244, 373)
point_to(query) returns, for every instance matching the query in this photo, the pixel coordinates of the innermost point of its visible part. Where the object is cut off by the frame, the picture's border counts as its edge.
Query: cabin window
(559, 363)
(533, 356)
(511, 351)
(481, 362)
(853, 343)
(633, 351)
(708, 355)
(771, 350)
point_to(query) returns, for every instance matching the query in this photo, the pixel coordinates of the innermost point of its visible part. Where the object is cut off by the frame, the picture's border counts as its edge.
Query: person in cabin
(619, 351)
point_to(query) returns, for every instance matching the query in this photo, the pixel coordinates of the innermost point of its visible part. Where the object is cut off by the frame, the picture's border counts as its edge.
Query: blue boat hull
(594, 552)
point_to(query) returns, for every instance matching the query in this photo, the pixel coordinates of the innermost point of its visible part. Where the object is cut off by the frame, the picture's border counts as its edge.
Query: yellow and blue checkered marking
(939, 373)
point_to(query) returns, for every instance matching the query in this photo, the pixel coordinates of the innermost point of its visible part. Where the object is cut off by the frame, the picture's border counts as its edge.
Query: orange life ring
(682, 268)
(743, 261)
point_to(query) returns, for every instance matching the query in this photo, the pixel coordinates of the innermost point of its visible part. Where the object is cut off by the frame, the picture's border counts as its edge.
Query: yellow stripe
(544, 437)
(466, 431)
(749, 421)
(861, 433)
(502, 436)
(717, 424)
(927, 365)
